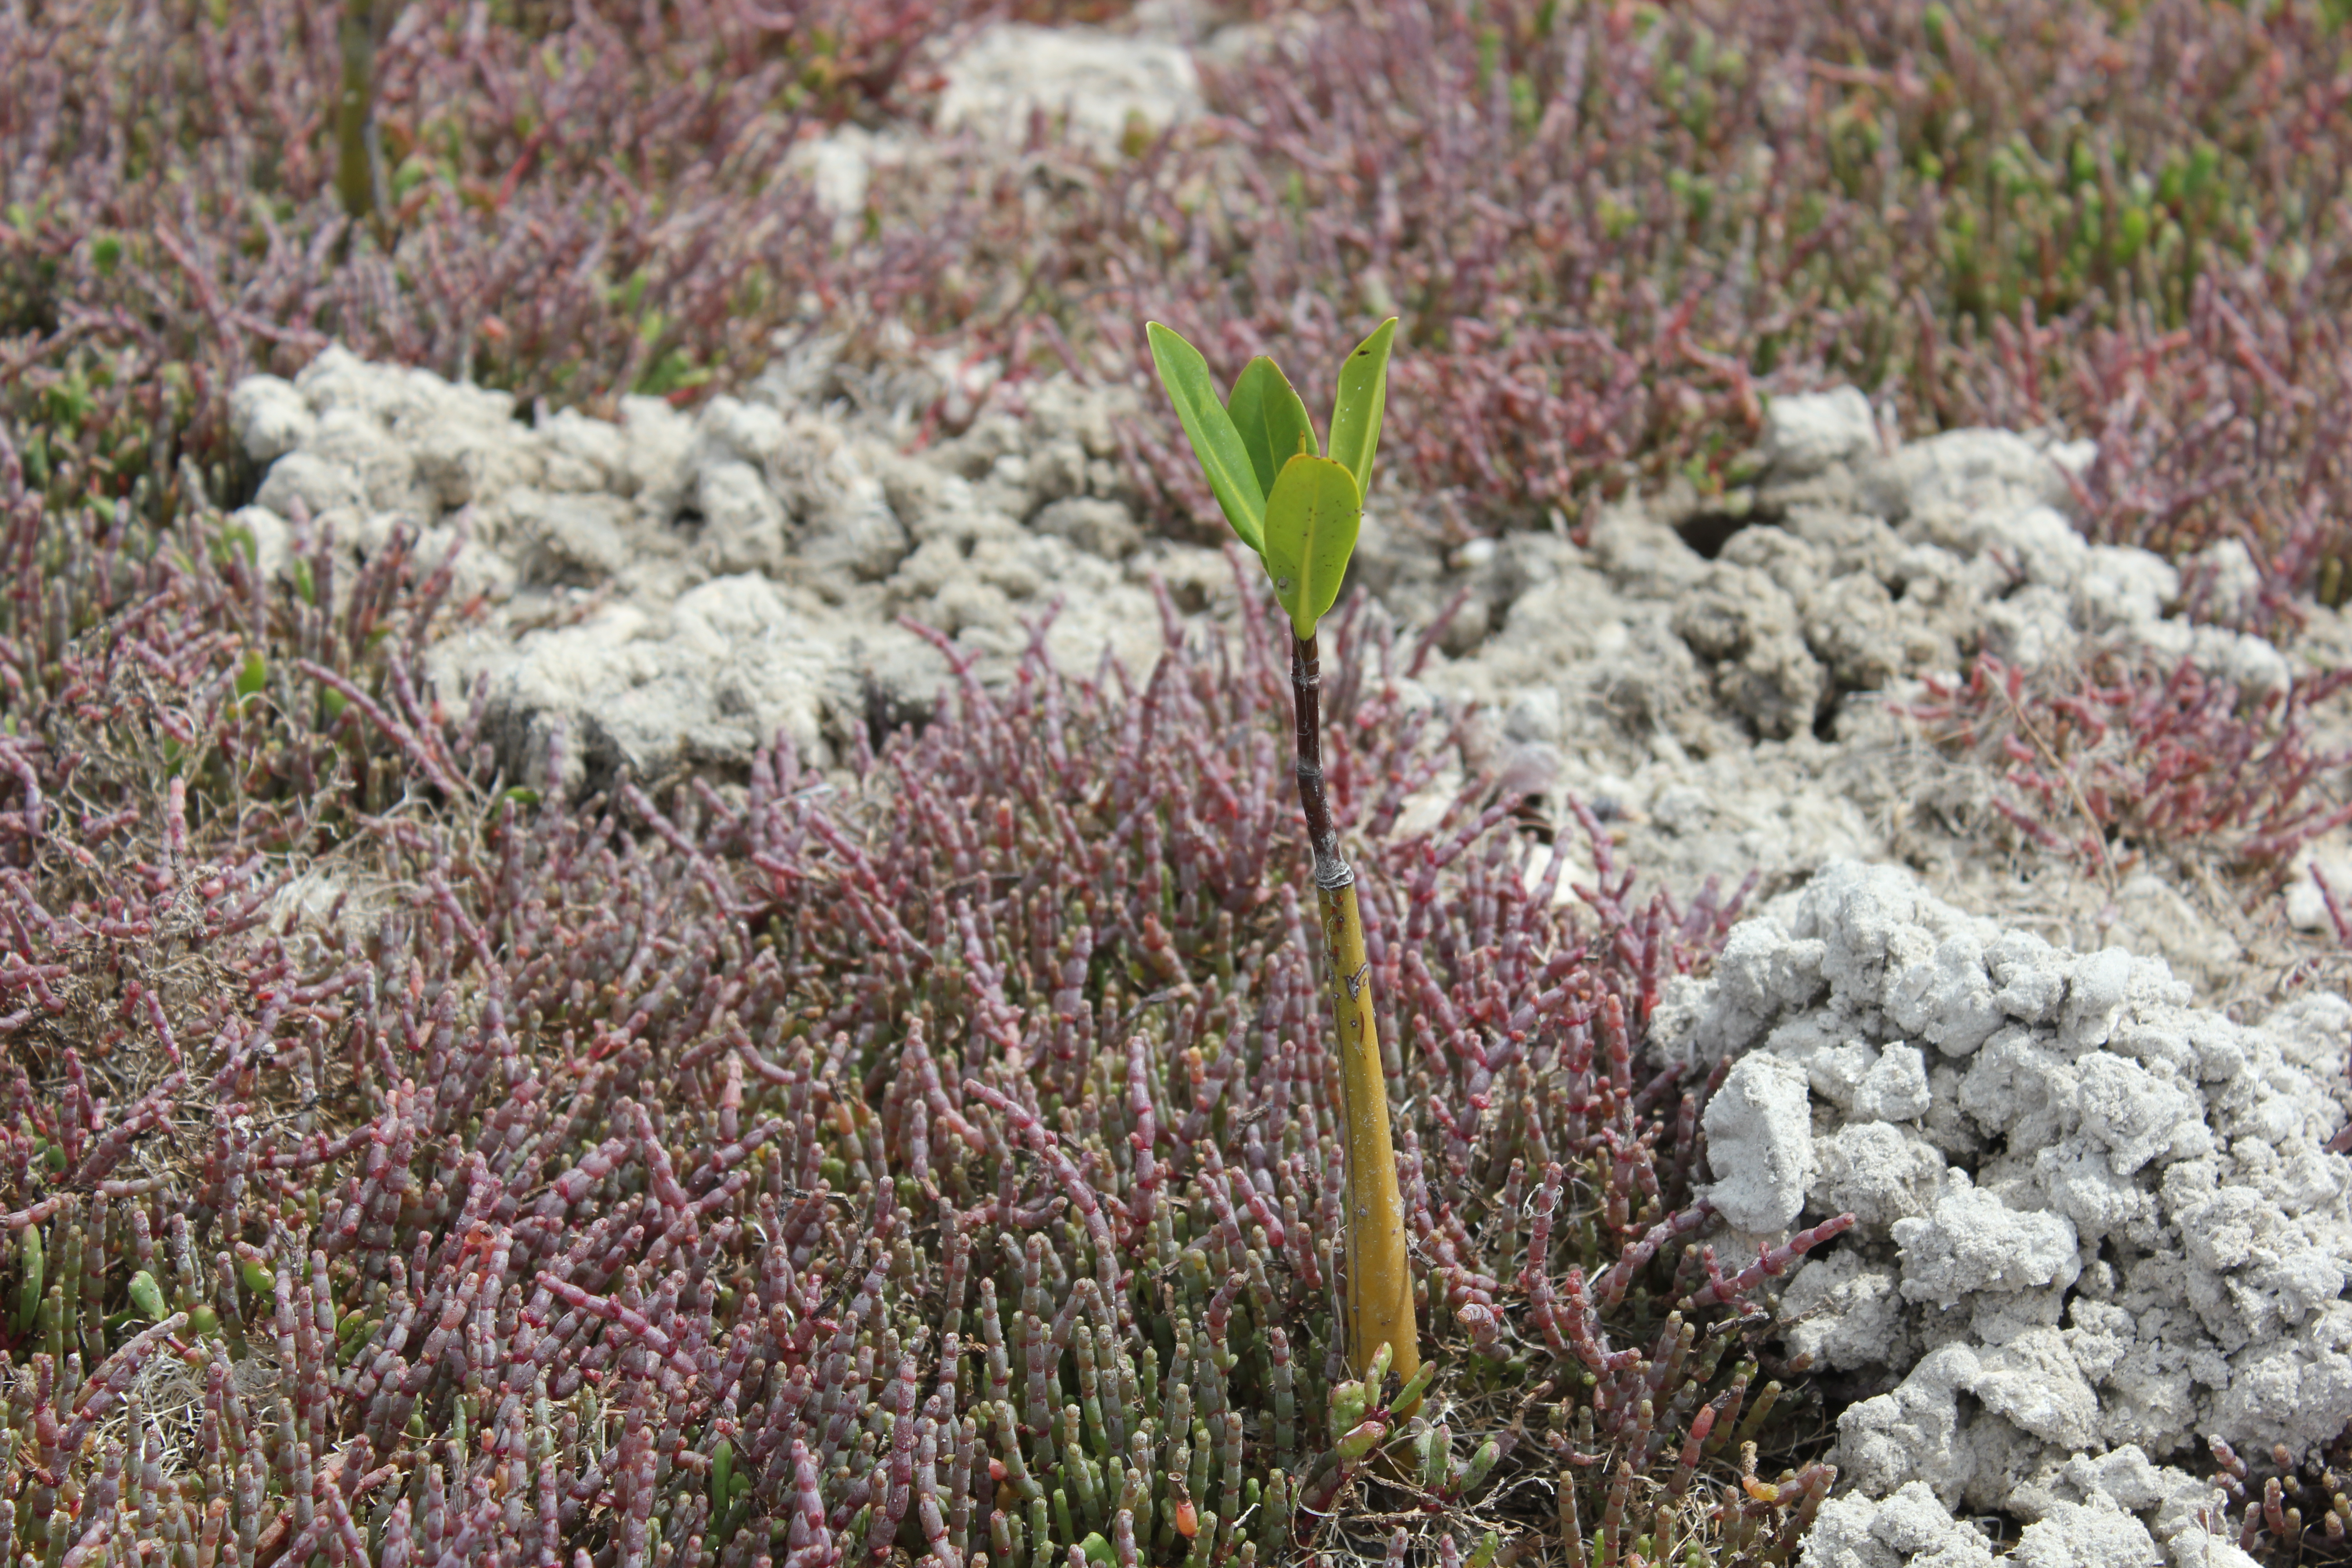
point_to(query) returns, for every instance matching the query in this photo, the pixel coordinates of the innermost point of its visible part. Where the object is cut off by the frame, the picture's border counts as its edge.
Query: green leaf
(30, 1264)
(1408, 1399)
(1429, 1451)
(723, 1471)
(1363, 398)
(148, 1297)
(1266, 410)
(1224, 461)
(1349, 1403)
(1310, 530)
(1360, 1440)
(1481, 1465)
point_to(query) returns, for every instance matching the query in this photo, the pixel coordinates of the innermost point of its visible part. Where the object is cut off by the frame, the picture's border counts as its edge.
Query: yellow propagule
(1379, 1279)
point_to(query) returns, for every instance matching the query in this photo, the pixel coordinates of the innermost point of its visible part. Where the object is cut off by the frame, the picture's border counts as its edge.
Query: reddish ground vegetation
(2128, 758)
(1608, 230)
(942, 1155)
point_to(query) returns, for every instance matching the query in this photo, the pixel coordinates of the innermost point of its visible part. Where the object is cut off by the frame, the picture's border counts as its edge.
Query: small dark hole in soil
(1825, 720)
(1839, 1390)
(884, 715)
(238, 478)
(1709, 532)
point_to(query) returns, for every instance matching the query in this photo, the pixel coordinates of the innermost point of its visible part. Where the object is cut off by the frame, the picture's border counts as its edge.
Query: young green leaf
(1310, 530)
(1266, 410)
(1224, 459)
(1363, 397)
(148, 1297)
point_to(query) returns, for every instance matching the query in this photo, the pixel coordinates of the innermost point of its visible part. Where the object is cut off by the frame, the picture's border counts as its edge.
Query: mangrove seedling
(359, 147)
(1299, 509)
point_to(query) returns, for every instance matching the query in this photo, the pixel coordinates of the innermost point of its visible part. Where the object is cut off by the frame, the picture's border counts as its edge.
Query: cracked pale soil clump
(2094, 1225)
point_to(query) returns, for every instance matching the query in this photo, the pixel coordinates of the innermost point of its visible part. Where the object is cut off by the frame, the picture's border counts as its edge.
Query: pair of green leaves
(1299, 508)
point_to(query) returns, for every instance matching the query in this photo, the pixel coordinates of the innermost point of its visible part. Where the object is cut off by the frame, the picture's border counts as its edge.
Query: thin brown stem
(1331, 868)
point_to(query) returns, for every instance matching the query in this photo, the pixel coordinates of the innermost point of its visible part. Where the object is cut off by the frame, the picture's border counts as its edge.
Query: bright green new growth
(1233, 480)
(1299, 509)
(1271, 418)
(1311, 521)
(1363, 398)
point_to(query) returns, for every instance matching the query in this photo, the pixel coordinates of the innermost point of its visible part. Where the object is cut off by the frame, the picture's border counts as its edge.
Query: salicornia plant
(1299, 509)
